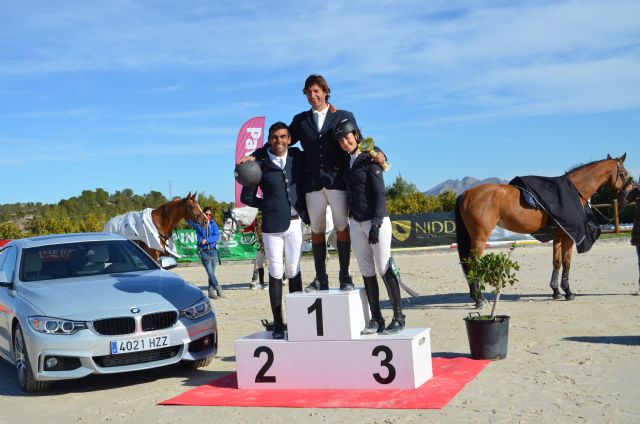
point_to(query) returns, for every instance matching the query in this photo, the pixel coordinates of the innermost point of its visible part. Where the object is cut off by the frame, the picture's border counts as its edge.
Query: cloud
(479, 58)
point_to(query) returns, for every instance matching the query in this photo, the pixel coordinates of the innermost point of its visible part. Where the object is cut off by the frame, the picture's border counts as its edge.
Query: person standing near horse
(370, 228)
(631, 193)
(282, 206)
(207, 238)
(258, 263)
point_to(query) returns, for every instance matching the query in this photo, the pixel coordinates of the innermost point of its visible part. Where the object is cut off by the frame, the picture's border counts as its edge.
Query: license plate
(139, 345)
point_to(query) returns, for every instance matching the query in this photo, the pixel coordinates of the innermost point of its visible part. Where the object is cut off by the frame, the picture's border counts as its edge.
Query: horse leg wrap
(564, 284)
(554, 280)
(554, 285)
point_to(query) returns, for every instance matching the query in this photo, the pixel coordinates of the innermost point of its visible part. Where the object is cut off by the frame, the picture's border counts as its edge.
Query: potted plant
(489, 334)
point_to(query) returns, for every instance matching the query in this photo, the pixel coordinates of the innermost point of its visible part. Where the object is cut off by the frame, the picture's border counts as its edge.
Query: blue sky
(150, 95)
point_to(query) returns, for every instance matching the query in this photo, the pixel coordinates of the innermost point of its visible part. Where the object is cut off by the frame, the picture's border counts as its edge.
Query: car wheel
(201, 363)
(25, 374)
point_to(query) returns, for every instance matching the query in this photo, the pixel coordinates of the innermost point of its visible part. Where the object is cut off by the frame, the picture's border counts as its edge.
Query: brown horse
(480, 209)
(167, 216)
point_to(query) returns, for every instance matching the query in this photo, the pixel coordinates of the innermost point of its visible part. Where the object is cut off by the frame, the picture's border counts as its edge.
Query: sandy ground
(568, 362)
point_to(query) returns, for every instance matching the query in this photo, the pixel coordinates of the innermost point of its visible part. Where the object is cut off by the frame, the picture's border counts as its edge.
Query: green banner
(240, 247)
(186, 245)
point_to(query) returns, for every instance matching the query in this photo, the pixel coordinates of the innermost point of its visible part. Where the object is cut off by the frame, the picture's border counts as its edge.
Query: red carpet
(449, 377)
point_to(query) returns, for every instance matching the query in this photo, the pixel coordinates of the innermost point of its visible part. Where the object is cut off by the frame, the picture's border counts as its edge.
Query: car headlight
(50, 325)
(197, 310)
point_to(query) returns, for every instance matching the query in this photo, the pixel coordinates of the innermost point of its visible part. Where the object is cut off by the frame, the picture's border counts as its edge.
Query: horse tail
(463, 240)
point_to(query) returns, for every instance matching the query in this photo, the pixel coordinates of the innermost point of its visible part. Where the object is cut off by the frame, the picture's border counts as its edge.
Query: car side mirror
(167, 262)
(4, 281)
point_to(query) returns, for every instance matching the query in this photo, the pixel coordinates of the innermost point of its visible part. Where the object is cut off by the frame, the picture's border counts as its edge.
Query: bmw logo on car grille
(135, 310)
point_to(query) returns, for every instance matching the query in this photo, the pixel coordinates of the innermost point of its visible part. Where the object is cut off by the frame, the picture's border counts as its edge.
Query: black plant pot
(488, 339)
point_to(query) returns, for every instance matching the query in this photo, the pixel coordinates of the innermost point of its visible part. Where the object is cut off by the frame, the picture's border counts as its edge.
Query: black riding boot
(393, 289)
(321, 282)
(275, 298)
(376, 323)
(261, 276)
(344, 256)
(295, 283)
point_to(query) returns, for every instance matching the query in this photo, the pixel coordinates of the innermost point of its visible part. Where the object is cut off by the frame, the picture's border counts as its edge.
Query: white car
(95, 303)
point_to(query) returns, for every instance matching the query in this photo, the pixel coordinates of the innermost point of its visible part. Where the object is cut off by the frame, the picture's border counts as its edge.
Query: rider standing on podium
(370, 227)
(282, 206)
(322, 183)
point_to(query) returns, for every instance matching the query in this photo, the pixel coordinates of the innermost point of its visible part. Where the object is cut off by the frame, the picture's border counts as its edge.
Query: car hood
(109, 295)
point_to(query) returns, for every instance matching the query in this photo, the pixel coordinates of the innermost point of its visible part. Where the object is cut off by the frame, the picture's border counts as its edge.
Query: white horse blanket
(139, 226)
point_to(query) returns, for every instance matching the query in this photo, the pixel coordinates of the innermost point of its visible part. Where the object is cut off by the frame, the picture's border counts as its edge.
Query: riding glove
(373, 234)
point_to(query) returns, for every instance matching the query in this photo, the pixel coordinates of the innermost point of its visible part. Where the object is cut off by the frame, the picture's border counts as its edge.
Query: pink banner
(250, 138)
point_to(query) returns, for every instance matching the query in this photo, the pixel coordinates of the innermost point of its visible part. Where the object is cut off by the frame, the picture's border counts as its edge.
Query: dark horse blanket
(559, 198)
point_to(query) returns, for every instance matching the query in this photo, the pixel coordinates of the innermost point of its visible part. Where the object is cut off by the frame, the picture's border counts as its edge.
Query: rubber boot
(393, 289)
(321, 282)
(344, 256)
(275, 298)
(295, 283)
(376, 323)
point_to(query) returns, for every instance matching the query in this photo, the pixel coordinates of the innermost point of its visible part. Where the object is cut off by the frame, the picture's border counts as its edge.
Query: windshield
(82, 259)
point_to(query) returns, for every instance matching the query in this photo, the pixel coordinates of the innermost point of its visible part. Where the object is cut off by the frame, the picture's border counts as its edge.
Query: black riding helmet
(344, 127)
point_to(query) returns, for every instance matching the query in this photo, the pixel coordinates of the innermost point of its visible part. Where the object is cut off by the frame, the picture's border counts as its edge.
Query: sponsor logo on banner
(417, 230)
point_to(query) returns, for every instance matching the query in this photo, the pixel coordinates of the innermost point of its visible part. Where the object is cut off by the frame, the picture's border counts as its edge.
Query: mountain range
(458, 186)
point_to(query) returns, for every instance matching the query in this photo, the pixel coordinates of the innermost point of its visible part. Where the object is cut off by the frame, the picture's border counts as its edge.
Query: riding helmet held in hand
(248, 173)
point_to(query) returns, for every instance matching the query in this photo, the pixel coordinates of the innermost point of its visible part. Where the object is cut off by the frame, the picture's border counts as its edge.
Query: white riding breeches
(370, 256)
(289, 242)
(317, 202)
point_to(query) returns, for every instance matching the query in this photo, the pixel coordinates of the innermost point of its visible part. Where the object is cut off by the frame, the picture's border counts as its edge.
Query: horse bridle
(193, 215)
(622, 174)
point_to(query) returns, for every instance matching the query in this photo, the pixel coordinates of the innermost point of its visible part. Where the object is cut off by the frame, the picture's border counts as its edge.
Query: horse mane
(584, 165)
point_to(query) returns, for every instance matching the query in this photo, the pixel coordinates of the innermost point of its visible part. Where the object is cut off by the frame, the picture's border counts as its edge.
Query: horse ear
(609, 156)
(623, 157)
(188, 195)
(194, 195)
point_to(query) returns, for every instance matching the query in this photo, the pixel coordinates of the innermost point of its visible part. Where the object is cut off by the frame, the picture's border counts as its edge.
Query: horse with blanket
(152, 229)
(555, 209)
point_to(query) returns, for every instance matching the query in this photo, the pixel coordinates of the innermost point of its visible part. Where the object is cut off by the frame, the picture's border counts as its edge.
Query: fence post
(616, 220)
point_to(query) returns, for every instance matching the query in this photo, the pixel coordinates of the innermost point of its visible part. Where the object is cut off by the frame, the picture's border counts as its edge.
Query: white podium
(324, 349)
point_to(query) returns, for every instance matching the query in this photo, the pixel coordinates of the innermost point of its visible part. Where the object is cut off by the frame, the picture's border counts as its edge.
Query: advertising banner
(239, 247)
(186, 245)
(250, 138)
(418, 230)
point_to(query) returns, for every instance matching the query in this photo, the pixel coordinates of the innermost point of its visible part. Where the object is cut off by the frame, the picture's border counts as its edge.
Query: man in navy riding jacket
(207, 237)
(283, 207)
